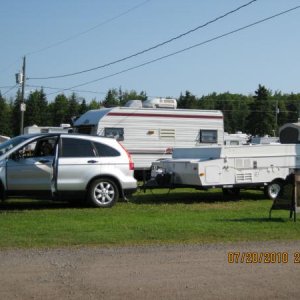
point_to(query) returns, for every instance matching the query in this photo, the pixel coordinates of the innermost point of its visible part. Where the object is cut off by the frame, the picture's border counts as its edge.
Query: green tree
(82, 107)
(293, 108)
(187, 101)
(93, 105)
(74, 107)
(59, 110)
(235, 108)
(111, 99)
(5, 117)
(124, 97)
(36, 109)
(16, 114)
(208, 102)
(237, 116)
(261, 119)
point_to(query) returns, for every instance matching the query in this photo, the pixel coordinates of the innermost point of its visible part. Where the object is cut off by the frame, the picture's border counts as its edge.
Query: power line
(90, 29)
(148, 49)
(185, 49)
(6, 87)
(55, 88)
(257, 111)
(9, 66)
(9, 90)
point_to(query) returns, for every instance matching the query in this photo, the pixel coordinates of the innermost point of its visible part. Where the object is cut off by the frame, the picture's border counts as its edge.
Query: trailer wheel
(273, 189)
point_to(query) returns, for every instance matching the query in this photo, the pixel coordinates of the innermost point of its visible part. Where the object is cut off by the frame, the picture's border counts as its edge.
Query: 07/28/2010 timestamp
(263, 257)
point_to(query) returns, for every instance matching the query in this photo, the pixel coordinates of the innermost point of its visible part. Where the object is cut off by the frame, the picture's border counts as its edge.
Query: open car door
(29, 169)
(55, 170)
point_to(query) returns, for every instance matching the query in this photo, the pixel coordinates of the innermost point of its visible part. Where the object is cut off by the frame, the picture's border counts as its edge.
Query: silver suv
(66, 166)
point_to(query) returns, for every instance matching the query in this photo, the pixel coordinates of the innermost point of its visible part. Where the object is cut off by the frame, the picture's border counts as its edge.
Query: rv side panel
(150, 134)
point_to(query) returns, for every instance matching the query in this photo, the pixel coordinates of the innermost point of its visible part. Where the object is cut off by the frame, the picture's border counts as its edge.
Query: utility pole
(20, 78)
(277, 111)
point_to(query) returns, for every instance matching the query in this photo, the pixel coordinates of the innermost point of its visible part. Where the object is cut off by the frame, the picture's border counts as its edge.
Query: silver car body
(75, 161)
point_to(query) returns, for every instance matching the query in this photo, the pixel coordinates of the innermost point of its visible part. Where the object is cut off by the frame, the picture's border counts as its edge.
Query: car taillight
(131, 163)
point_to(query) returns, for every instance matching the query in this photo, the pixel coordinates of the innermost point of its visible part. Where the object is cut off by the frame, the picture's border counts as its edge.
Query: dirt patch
(149, 272)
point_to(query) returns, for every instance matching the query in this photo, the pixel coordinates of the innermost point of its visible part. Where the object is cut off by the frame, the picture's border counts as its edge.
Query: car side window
(38, 148)
(76, 148)
(105, 151)
(45, 147)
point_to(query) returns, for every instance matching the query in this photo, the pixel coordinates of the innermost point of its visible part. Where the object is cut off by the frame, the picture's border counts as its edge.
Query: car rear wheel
(103, 192)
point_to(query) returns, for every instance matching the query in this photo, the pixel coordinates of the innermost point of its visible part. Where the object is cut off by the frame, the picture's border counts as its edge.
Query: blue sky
(96, 32)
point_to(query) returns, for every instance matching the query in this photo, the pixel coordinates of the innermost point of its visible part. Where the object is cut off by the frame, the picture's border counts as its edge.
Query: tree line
(258, 114)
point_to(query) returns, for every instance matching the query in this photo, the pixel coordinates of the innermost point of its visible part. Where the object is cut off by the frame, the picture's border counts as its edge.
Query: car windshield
(9, 144)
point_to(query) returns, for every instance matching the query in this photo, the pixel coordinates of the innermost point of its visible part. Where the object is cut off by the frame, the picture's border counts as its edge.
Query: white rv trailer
(63, 128)
(3, 138)
(230, 168)
(151, 133)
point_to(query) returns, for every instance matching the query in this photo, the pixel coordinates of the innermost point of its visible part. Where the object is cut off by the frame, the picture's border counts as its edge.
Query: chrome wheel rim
(274, 190)
(104, 192)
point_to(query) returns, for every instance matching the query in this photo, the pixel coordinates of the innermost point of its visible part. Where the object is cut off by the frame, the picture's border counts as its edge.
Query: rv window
(117, 133)
(208, 136)
(76, 148)
(105, 151)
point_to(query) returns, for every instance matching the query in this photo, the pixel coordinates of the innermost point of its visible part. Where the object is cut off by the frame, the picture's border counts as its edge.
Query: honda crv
(66, 166)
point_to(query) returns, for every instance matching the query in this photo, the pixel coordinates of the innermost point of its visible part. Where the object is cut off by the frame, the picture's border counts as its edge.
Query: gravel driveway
(150, 272)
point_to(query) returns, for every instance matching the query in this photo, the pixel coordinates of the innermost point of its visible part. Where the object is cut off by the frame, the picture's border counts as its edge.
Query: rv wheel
(273, 189)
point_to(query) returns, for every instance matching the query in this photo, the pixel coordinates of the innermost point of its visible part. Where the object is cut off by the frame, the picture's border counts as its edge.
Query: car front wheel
(103, 192)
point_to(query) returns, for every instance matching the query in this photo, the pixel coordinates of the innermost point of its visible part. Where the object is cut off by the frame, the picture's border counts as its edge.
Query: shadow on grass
(256, 220)
(190, 197)
(33, 204)
(156, 197)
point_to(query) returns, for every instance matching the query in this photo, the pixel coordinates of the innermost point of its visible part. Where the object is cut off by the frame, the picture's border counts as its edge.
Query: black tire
(273, 189)
(103, 192)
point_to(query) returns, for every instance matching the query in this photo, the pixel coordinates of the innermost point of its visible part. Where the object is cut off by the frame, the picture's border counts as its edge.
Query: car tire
(103, 192)
(273, 189)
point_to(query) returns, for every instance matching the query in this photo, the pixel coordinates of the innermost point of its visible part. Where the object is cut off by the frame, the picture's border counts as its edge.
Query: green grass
(182, 216)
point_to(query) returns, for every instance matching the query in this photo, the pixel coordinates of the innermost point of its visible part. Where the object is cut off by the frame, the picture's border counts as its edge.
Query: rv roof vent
(160, 103)
(134, 103)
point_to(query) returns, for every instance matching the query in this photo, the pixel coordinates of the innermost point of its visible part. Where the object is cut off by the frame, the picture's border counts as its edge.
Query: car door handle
(92, 161)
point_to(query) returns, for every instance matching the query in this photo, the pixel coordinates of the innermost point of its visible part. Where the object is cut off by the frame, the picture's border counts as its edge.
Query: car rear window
(104, 150)
(76, 148)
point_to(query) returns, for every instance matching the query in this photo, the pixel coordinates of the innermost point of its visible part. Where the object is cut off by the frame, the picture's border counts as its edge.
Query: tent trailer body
(226, 167)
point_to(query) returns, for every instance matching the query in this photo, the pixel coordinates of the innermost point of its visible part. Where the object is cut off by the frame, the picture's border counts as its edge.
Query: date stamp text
(236, 257)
